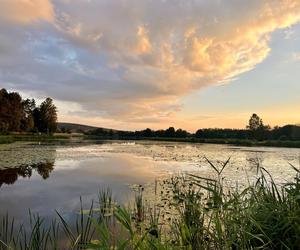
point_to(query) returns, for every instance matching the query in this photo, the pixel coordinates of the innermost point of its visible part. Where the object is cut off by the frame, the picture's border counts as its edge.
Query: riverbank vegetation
(285, 136)
(188, 212)
(70, 137)
(36, 137)
(255, 131)
(22, 115)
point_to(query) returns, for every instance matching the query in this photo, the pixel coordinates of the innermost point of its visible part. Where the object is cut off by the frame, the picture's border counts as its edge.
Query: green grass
(236, 142)
(191, 212)
(4, 139)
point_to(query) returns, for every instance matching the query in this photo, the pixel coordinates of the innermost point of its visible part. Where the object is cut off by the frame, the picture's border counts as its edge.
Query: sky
(133, 64)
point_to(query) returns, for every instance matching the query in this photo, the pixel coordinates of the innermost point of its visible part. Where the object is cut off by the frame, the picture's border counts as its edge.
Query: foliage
(146, 133)
(255, 123)
(222, 133)
(17, 114)
(257, 128)
(47, 116)
(11, 111)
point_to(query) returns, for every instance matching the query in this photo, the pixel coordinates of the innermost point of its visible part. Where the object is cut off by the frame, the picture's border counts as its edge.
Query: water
(45, 177)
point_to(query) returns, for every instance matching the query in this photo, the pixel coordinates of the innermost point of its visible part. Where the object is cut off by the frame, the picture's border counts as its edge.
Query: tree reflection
(10, 175)
(45, 169)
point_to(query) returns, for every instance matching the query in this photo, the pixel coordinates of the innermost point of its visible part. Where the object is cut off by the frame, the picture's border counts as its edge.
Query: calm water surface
(44, 177)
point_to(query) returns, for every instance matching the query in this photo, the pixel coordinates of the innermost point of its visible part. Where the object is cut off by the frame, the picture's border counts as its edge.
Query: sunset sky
(132, 64)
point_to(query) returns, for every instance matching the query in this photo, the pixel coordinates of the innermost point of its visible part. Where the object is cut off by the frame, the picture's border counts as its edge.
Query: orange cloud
(242, 46)
(26, 11)
(143, 43)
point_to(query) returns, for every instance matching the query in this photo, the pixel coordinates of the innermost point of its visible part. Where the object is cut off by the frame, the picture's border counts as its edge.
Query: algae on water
(25, 153)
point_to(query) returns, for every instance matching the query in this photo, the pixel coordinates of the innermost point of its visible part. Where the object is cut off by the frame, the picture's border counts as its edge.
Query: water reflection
(10, 175)
(81, 170)
(254, 160)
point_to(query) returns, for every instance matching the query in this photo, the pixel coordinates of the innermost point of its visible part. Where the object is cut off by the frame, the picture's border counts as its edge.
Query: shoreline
(6, 139)
(234, 142)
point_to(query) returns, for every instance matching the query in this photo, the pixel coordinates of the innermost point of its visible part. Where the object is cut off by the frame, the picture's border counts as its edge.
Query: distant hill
(75, 128)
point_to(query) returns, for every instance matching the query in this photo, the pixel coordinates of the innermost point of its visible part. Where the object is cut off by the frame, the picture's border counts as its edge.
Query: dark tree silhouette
(45, 117)
(257, 128)
(170, 132)
(255, 123)
(48, 112)
(23, 115)
(11, 111)
(180, 133)
(27, 122)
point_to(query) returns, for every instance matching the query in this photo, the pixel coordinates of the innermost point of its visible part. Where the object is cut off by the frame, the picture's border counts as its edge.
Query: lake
(45, 177)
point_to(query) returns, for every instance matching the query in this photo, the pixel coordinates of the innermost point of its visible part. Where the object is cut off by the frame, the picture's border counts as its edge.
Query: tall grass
(191, 212)
(35, 236)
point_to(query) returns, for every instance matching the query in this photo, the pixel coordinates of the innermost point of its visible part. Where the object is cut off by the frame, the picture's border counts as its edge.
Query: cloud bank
(133, 60)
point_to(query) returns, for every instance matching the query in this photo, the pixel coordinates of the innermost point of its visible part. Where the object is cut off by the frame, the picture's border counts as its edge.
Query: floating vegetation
(25, 153)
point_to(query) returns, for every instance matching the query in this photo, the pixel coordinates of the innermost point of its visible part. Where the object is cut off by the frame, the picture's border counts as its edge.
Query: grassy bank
(36, 137)
(236, 142)
(65, 137)
(189, 212)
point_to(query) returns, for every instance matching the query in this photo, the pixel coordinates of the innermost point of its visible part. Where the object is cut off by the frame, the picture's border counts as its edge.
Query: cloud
(26, 11)
(134, 60)
(296, 57)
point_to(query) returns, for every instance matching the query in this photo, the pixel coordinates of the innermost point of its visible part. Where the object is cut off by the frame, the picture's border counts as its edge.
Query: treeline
(168, 133)
(288, 132)
(23, 115)
(255, 130)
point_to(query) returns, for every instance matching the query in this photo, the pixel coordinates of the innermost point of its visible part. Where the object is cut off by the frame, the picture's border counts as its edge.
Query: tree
(37, 119)
(147, 132)
(170, 132)
(4, 110)
(11, 111)
(181, 133)
(47, 116)
(257, 128)
(17, 114)
(27, 122)
(255, 123)
(15, 111)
